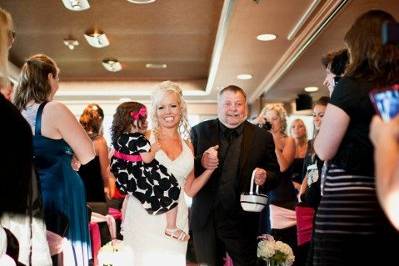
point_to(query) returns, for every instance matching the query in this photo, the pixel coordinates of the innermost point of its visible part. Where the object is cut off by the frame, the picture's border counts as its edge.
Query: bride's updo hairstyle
(158, 94)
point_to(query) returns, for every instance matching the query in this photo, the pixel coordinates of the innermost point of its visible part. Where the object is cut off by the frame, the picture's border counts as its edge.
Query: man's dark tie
(230, 134)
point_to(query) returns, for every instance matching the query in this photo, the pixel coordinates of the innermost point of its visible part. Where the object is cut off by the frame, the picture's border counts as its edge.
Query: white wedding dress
(144, 233)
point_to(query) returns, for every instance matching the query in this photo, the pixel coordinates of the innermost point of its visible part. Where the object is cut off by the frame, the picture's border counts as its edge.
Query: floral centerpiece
(274, 253)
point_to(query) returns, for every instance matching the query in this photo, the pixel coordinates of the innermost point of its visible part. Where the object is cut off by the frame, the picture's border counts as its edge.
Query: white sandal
(177, 234)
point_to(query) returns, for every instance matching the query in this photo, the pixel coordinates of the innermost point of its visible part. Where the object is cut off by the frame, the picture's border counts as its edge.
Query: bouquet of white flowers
(274, 253)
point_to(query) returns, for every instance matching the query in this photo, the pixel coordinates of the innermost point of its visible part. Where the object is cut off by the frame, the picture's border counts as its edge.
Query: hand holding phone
(386, 101)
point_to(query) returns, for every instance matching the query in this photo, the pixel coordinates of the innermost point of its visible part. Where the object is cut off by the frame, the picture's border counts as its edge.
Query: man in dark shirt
(218, 222)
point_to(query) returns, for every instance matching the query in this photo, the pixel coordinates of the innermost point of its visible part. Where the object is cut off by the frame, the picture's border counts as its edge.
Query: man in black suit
(218, 222)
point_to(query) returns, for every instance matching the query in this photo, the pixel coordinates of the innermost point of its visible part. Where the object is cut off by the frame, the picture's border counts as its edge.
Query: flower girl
(137, 171)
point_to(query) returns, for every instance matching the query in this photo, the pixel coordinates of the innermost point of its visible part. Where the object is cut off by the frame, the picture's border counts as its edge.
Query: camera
(267, 125)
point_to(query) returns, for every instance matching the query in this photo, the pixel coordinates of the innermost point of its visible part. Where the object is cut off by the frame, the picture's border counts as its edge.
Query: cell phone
(386, 101)
(267, 125)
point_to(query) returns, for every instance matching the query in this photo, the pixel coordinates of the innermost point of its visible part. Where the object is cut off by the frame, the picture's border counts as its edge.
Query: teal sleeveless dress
(63, 193)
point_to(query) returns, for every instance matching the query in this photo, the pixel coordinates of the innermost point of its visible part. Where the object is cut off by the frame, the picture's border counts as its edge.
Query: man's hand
(260, 176)
(210, 159)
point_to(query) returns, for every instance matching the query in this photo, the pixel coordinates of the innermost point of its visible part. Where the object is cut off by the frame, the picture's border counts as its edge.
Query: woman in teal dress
(58, 137)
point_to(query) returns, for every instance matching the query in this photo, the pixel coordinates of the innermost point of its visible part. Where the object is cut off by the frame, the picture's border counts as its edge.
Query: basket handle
(252, 184)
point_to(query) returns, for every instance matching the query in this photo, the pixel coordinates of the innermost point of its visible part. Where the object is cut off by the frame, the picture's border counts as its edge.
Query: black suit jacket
(257, 150)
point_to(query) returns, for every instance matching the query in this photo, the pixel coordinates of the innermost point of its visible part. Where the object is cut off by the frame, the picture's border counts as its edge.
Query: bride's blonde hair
(158, 94)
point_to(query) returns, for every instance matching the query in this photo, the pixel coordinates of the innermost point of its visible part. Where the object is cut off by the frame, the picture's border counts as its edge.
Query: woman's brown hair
(369, 58)
(33, 81)
(92, 120)
(123, 120)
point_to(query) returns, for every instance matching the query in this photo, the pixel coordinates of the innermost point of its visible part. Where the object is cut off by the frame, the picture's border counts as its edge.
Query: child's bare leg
(171, 229)
(171, 218)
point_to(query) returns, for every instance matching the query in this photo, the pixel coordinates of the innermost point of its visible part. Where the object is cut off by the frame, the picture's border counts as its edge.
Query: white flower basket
(253, 201)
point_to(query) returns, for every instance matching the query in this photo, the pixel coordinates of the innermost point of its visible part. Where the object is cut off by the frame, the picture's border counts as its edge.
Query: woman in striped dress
(350, 227)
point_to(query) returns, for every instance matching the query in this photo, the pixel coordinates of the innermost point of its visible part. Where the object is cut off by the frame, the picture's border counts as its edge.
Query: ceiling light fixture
(76, 5)
(71, 43)
(244, 76)
(96, 39)
(311, 89)
(112, 65)
(266, 37)
(141, 1)
(156, 66)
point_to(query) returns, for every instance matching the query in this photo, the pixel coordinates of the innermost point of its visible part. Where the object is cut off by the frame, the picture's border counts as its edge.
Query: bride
(144, 233)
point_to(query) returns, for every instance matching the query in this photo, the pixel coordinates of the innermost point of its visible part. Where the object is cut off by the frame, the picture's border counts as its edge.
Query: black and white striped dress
(350, 227)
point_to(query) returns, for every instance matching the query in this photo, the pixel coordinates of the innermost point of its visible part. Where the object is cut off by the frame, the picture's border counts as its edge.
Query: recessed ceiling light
(311, 89)
(71, 43)
(76, 5)
(266, 37)
(244, 76)
(156, 65)
(112, 65)
(96, 39)
(141, 1)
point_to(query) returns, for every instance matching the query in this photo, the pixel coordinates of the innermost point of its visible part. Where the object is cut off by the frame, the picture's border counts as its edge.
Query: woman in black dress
(96, 175)
(350, 227)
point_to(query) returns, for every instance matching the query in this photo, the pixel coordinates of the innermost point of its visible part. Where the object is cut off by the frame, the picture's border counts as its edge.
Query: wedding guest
(309, 194)
(96, 176)
(350, 225)
(300, 135)
(218, 222)
(20, 203)
(283, 198)
(57, 137)
(385, 137)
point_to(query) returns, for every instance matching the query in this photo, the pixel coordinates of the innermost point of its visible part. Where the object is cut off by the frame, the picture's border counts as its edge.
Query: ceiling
(205, 44)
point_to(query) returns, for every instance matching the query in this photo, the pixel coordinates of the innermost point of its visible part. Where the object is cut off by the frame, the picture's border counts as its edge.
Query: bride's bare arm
(194, 184)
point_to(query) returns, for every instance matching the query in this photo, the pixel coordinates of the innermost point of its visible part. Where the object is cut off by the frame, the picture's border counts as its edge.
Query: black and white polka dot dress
(151, 183)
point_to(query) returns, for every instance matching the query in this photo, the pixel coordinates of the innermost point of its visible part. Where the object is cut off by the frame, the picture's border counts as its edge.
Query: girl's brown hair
(369, 58)
(92, 120)
(33, 80)
(123, 121)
